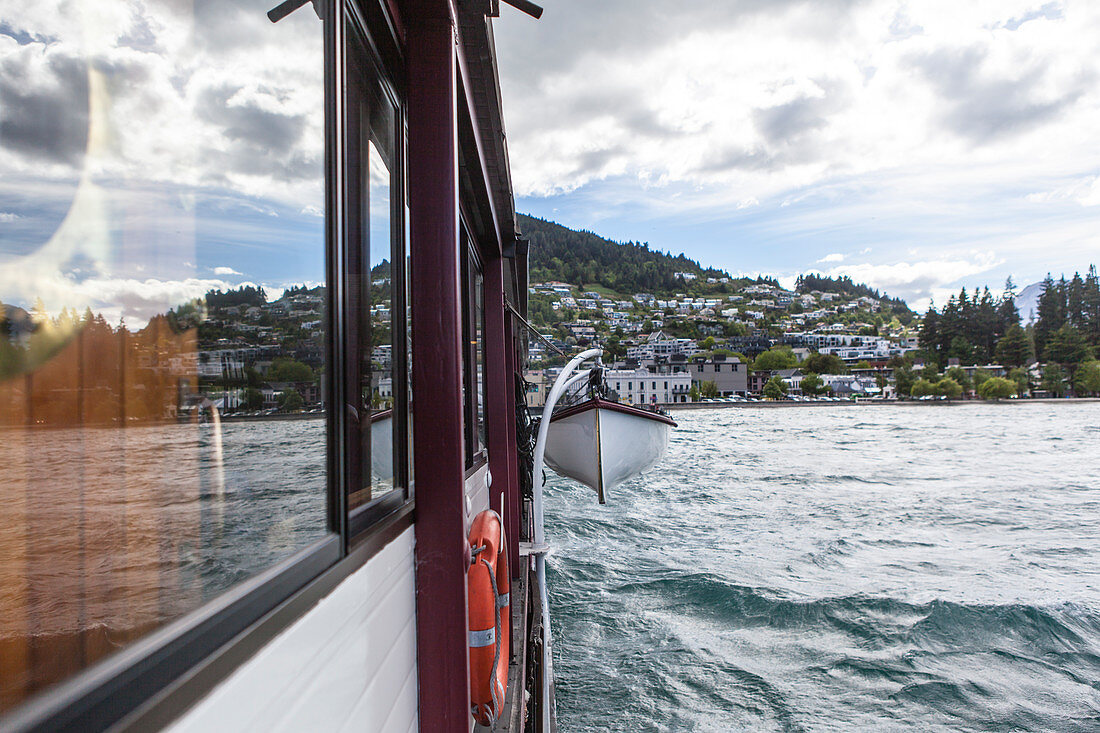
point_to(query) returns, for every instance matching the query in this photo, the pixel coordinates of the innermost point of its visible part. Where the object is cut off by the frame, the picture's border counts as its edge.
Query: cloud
(985, 105)
(945, 115)
(917, 281)
(43, 103)
(834, 257)
(226, 271)
(134, 299)
(207, 96)
(1084, 191)
(7, 216)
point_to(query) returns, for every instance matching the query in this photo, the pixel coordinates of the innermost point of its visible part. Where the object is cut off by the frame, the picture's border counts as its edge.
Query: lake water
(926, 567)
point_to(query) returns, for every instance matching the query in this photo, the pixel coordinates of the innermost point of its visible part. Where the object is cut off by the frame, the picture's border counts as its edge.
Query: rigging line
(532, 330)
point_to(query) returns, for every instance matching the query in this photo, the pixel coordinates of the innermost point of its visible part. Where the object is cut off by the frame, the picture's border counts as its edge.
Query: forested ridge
(845, 287)
(583, 258)
(975, 328)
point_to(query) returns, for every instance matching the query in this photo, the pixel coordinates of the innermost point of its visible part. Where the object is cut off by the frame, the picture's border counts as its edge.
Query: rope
(532, 330)
(498, 704)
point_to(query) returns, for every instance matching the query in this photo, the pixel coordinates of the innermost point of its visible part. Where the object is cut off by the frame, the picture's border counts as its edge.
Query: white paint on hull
(602, 447)
(349, 664)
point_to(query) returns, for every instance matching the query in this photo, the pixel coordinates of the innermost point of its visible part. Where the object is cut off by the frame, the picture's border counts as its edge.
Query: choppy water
(927, 568)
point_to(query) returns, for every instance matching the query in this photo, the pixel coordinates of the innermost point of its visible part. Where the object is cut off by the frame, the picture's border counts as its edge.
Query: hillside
(584, 258)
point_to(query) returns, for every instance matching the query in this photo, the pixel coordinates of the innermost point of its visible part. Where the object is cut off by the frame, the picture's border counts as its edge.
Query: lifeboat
(601, 443)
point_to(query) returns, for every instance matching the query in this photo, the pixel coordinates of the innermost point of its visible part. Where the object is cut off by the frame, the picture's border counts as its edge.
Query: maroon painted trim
(398, 21)
(501, 437)
(441, 547)
(512, 500)
(614, 407)
(469, 110)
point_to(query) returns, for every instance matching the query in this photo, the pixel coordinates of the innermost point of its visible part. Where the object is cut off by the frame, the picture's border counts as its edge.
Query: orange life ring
(487, 589)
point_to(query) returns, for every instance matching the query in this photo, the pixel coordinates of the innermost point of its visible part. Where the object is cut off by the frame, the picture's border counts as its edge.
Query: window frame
(150, 682)
(472, 268)
(360, 519)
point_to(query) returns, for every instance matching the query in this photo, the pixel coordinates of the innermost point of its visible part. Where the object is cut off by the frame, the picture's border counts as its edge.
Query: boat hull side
(603, 447)
(629, 445)
(571, 448)
(351, 660)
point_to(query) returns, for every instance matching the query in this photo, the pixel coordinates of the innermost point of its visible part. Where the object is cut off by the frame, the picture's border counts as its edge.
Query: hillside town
(718, 339)
(763, 341)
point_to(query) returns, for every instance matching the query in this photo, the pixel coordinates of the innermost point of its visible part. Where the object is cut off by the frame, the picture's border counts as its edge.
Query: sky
(919, 147)
(152, 150)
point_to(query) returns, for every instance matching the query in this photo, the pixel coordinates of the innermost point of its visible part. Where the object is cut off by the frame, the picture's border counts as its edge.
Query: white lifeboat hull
(381, 453)
(602, 443)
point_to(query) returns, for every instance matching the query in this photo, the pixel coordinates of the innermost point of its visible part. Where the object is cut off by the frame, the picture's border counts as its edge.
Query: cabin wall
(348, 664)
(477, 492)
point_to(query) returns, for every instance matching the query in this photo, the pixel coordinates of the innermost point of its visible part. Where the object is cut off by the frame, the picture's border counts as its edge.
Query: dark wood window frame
(472, 270)
(150, 682)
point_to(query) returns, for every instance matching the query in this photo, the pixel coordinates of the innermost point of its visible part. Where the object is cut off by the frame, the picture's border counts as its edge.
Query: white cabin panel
(477, 492)
(348, 664)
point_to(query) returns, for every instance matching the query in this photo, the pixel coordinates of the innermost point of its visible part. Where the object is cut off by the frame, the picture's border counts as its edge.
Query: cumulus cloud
(984, 105)
(205, 96)
(834, 257)
(917, 281)
(150, 135)
(691, 109)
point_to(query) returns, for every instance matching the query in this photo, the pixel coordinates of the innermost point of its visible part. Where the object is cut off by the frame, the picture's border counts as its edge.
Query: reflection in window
(382, 395)
(473, 329)
(376, 296)
(162, 311)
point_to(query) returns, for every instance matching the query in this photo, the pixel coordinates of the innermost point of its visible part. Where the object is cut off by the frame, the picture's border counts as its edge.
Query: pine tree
(1014, 348)
(1068, 348)
(1092, 307)
(1075, 302)
(1051, 314)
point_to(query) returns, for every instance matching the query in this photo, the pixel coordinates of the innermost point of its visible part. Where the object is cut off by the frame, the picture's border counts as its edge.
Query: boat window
(376, 298)
(473, 363)
(163, 302)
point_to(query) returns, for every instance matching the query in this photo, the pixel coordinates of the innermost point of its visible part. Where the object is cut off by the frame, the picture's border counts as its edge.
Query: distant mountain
(1027, 302)
(584, 258)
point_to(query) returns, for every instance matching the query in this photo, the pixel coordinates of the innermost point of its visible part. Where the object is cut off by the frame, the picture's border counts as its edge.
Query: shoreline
(774, 404)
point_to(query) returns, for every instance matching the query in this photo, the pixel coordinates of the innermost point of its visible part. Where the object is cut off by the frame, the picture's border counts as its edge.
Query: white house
(641, 387)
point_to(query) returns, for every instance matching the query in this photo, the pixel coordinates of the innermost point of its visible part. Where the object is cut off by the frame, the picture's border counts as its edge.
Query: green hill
(584, 259)
(587, 260)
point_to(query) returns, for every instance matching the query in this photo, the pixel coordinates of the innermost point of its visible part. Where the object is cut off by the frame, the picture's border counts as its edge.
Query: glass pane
(382, 356)
(162, 316)
(473, 363)
(479, 346)
(373, 247)
(409, 462)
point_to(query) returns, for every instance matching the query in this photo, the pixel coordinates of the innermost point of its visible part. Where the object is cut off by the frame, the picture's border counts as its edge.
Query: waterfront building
(643, 387)
(657, 344)
(729, 374)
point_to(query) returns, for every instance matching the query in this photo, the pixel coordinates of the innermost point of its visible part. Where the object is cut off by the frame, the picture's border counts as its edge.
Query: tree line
(1064, 336)
(845, 287)
(583, 258)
